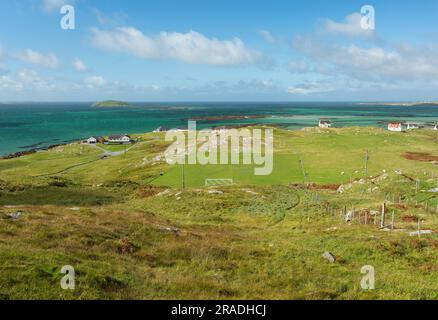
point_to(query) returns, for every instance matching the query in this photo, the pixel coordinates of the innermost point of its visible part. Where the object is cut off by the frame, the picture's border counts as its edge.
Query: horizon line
(220, 101)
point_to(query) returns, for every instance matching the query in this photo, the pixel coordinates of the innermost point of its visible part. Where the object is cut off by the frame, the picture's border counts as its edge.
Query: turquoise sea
(25, 126)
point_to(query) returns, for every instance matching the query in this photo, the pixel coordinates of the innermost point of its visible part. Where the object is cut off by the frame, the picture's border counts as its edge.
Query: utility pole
(366, 163)
(304, 171)
(183, 177)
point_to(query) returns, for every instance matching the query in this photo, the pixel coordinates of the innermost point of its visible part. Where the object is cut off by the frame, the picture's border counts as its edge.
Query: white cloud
(191, 47)
(94, 82)
(48, 60)
(221, 88)
(79, 65)
(396, 63)
(351, 27)
(2, 57)
(51, 6)
(350, 63)
(31, 78)
(309, 88)
(267, 36)
(26, 80)
(113, 19)
(254, 85)
(8, 83)
(28, 76)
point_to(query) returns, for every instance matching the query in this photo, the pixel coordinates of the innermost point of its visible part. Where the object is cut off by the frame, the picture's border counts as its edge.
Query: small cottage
(94, 140)
(324, 123)
(91, 140)
(120, 139)
(396, 126)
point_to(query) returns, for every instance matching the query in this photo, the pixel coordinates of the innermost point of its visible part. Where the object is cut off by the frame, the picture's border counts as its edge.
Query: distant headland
(111, 104)
(404, 104)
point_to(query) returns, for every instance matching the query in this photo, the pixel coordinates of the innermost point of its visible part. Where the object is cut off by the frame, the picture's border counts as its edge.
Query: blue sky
(292, 50)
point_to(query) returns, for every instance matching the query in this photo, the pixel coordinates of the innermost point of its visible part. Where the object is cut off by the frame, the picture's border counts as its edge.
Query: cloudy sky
(198, 50)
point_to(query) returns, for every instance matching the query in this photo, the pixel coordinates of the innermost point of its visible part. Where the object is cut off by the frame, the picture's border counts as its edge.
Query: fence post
(382, 219)
(392, 220)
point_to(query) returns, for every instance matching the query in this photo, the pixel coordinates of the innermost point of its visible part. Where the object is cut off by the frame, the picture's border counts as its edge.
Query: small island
(111, 104)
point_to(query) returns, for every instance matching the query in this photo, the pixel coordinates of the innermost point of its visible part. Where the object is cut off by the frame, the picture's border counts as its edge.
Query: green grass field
(131, 232)
(325, 155)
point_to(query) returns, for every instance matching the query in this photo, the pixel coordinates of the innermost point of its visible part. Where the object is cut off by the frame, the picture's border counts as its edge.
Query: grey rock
(329, 256)
(15, 215)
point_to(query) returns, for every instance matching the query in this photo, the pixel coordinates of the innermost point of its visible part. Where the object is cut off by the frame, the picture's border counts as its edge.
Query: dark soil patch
(315, 186)
(420, 156)
(409, 218)
(149, 191)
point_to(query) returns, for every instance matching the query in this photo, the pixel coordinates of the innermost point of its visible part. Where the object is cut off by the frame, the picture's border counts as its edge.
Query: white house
(412, 125)
(324, 123)
(396, 126)
(120, 139)
(95, 139)
(92, 140)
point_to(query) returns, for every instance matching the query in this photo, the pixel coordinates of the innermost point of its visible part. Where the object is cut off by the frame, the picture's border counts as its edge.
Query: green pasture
(314, 156)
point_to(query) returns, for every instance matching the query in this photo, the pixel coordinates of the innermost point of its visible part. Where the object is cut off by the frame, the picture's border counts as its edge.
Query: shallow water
(26, 126)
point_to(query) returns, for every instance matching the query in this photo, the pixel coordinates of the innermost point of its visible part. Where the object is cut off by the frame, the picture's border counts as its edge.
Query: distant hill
(404, 104)
(111, 104)
(414, 104)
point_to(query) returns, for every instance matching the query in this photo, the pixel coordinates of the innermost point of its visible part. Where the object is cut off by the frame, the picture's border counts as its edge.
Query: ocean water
(27, 126)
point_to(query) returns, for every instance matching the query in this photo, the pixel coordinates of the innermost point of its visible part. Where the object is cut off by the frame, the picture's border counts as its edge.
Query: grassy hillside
(130, 231)
(329, 156)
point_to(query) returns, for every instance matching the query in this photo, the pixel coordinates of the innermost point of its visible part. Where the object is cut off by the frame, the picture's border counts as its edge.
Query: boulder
(329, 256)
(15, 215)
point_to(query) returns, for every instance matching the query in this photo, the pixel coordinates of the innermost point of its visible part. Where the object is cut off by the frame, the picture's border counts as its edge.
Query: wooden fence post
(382, 219)
(392, 220)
